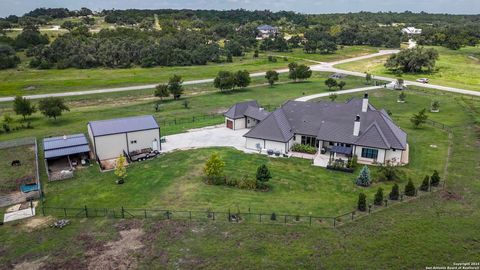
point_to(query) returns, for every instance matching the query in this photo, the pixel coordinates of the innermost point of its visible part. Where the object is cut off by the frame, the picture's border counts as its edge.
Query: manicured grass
(175, 180)
(26, 81)
(454, 68)
(434, 230)
(8, 173)
(97, 107)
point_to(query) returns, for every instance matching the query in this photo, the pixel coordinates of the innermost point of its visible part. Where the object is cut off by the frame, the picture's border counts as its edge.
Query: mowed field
(432, 230)
(202, 99)
(26, 81)
(458, 68)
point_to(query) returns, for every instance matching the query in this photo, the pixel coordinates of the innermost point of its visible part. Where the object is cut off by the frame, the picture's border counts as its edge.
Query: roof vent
(64, 137)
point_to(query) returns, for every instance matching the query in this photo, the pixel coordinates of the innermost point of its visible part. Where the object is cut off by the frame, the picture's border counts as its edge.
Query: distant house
(412, 31)
(129, 136)
(244, 115)
(335, 129)
(267, 31)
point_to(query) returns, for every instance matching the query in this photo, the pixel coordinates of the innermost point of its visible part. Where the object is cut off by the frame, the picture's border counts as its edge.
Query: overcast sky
(19, 7)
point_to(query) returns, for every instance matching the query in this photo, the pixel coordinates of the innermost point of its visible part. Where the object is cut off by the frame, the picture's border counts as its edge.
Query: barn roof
(122, 125)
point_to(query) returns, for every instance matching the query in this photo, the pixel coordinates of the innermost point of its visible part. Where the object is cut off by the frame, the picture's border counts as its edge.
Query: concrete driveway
(214, 136)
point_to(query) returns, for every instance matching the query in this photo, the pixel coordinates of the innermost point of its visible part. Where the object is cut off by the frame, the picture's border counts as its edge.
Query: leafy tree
(30, 37)
(175, 86)
(410, 188)
(263, 175)
(303, 72)
(69, 25)
(234, 47)
(225, 80)
(419, 118)
(272, 77)
(378, 199)
(402, 96)
(255, 53)
(214, 166)
(330, 83)
(395, 193)
(333, 97)
(23, 107)
(229, 57)
(435, 178)
(362, 202)
(162, 91)
(363, 178)
(8, 58)
(120, 168)
(425, 183)
(292, 71)
(341, 85)
(368, 77)
(242, 78)
(52, 107)
(413, 60)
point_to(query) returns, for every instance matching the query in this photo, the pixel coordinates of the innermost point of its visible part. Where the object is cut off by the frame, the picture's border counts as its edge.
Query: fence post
(310, 221)
(190, 214)
(353, 214)
(65, 212)
(213, 216)
(193, 119)
(123, 213)
(285, 219)
(43, 210)
(334, 222)
(260, 217)
(386, 203)
(145, 212)
(168, 214)
(86, 211)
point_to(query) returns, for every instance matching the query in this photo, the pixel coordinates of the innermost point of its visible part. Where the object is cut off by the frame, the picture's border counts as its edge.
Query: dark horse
(16, 163)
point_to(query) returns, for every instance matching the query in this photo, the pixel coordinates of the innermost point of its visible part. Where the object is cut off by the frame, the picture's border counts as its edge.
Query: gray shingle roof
(123, 125)
(60, 146)
(332, 121)
(238, 110)
(256, 113)
(275, 127)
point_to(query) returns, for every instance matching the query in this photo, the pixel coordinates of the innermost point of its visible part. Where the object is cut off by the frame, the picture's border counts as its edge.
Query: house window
(369, 153)
(307, 140)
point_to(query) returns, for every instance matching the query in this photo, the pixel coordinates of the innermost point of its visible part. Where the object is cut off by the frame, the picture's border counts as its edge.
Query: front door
(230, 124)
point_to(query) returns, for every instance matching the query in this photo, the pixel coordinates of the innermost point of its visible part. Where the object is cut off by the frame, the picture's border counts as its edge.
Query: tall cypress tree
(362, 202)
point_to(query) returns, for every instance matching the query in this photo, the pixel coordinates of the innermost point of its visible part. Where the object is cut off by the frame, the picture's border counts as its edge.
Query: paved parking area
(214, 136)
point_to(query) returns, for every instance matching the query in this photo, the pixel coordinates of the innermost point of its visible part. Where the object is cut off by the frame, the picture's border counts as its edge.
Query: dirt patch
(36, 223)
(31, 265)
(450, 196)
(118, 254)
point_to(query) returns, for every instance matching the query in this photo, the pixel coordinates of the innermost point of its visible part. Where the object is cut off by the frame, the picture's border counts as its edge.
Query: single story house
(336, 129)
(62, 154)
(267, 31)
(244, 115)
(128, 136)
(412, 31)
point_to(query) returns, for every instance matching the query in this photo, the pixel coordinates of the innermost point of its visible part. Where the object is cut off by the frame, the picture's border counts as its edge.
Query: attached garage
(244, 115)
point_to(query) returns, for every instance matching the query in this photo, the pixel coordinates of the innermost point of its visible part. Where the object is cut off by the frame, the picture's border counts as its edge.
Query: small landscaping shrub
(302, 148)
(353, 162)
(435, 179)
(247, 183)
(273, 216)
(378, 199)
(272, 58)
(410, 188)
(362, 202)
(263, 175)
(297, 218)
(395, 193)
(425, 183)
(363, 178)
(388, 172)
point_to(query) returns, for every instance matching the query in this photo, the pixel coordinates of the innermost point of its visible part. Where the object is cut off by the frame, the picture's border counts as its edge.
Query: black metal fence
(230, 216)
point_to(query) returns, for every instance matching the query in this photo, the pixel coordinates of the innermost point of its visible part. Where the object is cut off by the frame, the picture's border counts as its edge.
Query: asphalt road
(321, 66)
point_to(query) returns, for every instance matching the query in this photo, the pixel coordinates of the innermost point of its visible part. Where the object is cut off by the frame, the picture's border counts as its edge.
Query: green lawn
(343, 52)
(175, 180)
(454, 68)
(201, 101)
(434, 230)
(26, 81)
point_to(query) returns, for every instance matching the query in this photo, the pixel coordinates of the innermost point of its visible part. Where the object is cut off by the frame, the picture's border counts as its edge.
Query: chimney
(365, 103)
(356, 126)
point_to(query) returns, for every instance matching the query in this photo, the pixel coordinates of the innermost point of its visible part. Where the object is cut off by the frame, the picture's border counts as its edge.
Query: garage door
(230, 124)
